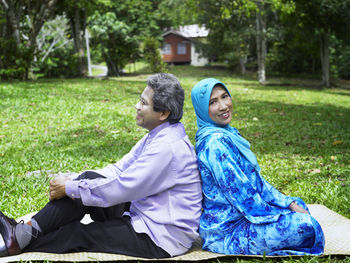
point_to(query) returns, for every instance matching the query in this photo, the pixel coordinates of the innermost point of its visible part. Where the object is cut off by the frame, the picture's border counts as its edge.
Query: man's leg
(110, 236)
(99, 213)
(63, 211)
(55, 214)
(58, 213)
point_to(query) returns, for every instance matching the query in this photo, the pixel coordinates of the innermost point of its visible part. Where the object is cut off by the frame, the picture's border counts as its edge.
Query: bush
(339, 58)
(15, 60)
(62, 62)
(152, 55)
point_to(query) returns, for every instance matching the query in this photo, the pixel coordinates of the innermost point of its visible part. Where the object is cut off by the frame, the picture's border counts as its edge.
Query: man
(147, 204)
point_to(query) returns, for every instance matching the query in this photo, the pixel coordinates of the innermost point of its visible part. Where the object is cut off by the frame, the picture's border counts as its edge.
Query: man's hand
(297, 208)
(58, 187)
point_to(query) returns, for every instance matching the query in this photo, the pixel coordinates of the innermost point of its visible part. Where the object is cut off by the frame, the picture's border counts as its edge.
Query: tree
(119, 31)
(233, 27)
(36, 12)
(261, 46)
(24, 20)
(52, 36)
(152, 55)
(324, 18)
(114, 39)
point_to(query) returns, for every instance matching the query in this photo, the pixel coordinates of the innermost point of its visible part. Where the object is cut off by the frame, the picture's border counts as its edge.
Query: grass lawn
(300, 134)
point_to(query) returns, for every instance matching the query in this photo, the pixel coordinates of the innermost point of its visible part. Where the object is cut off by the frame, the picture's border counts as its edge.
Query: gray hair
(168, 95)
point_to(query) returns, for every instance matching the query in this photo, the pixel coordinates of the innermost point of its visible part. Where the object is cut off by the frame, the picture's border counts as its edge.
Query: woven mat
(336, 229)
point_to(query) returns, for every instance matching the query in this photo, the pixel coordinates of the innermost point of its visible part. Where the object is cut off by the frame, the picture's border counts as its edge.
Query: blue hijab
(200, 96)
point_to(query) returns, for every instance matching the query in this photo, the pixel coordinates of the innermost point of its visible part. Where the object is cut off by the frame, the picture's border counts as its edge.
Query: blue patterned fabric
(242, 212)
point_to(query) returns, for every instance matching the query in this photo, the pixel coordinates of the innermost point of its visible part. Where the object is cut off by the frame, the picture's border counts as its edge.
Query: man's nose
(137, 106)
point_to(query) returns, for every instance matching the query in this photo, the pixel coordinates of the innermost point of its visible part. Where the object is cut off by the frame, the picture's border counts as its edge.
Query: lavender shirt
(160, 178)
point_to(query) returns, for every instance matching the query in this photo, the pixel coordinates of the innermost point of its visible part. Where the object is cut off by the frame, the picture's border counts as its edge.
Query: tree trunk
(40, 17)
(324, 48)
(79, 43)
(242, 62)
(112, 70)
(261, 42)
(12, 18)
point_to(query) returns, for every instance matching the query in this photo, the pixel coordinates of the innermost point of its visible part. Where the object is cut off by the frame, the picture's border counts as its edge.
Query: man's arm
(58, 184)
(149, 174)
(58, 187)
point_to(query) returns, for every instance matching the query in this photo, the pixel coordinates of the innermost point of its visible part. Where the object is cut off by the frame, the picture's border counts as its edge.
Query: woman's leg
(294, 233)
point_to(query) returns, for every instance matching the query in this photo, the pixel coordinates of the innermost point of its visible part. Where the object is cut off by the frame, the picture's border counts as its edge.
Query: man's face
(146, 117)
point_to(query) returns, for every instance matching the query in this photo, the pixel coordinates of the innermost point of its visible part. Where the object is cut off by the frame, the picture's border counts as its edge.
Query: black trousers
(110, 232)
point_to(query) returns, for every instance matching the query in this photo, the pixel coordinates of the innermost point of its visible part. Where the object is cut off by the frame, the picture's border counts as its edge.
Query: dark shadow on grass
(288, 128)
(282, 128)
(341, 93)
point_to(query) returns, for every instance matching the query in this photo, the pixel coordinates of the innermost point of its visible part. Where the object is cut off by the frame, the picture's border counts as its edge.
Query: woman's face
(220, 106)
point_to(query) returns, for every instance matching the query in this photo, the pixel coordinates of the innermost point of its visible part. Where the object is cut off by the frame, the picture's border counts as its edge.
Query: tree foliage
(114, 39)
(152, 55)
(276, 36)
(296, 36)
(21, 25)
(324, 18)
(118, 32)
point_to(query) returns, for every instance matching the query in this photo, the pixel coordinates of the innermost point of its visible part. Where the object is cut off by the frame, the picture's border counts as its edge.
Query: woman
(242, 212)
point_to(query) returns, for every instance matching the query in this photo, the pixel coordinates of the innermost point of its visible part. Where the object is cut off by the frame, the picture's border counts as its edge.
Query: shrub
(15, 60)
(62, 62)
(152, 55)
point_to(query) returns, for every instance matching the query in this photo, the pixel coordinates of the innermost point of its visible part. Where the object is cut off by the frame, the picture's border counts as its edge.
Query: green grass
(300, 134)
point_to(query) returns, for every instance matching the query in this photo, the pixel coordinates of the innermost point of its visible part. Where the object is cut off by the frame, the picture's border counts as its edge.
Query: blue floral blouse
(243, 213)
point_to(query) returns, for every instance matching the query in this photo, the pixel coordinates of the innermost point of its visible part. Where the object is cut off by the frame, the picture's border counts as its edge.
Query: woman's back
(242, 212)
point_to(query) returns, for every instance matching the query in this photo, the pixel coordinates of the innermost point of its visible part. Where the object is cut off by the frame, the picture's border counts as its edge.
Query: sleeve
(274, 197)
(223, 160)
(147, 175)
(129, 158)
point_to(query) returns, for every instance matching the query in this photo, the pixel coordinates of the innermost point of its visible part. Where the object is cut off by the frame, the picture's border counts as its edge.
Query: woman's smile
(220, 106)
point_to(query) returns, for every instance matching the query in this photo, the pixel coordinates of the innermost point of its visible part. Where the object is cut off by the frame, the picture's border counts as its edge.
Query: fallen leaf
(315, 171)
(257, 135)
(318, 124)
(337, 142)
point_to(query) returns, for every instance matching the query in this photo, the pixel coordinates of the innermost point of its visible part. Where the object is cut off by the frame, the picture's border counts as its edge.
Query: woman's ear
(164, 115)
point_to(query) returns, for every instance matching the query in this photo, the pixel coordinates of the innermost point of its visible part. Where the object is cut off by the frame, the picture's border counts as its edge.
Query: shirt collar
(157, 129)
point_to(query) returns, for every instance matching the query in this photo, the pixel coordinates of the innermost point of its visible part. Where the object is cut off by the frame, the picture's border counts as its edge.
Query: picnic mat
(336, 229)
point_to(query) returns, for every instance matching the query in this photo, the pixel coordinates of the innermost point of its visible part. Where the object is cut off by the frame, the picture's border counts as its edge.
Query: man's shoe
(8, 245)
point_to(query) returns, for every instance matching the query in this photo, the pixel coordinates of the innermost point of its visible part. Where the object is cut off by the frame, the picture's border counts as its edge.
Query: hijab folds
(200, 95)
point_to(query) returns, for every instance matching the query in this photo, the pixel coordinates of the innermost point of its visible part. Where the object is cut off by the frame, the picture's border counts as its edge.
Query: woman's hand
(297, 208)
(58, 187)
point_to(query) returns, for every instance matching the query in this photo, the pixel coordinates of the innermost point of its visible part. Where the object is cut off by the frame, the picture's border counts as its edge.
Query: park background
(286, 64)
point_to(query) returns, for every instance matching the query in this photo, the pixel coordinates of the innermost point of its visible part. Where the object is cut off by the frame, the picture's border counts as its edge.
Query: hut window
(166, 49)
(181, 48)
